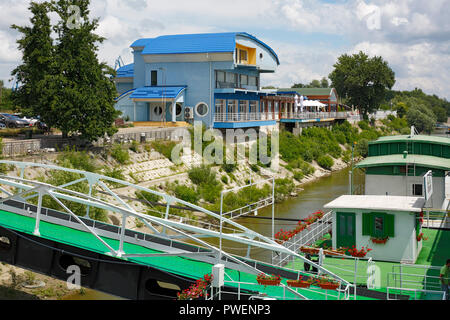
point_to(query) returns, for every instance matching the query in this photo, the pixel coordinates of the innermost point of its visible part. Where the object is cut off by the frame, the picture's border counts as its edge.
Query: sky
(413, 36)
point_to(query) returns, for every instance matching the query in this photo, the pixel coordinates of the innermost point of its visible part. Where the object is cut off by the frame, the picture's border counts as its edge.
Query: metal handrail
(247, 236)
(415, 292)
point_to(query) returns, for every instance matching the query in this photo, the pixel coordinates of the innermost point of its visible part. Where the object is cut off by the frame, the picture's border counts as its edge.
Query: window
(220, 76)
(178, 109)
(154, 80)
(244, 80)
(378, 224)
(157, 110)
(417, 189)
(242, 55)
(252, 81)
(201, 109)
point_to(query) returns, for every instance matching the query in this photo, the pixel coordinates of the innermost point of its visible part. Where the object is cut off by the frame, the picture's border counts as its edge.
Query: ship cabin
(388, 225)
(397, 165)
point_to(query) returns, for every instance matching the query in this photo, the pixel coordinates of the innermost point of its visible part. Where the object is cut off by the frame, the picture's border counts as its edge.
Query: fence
(308, 236)
(32, 146)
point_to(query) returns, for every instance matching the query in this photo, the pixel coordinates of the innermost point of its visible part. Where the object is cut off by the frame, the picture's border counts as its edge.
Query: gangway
(116, 259)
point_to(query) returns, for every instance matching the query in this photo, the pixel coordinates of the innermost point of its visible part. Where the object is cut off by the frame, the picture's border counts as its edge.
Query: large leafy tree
(421, 117)
(37, 59)
(84, 92)
(77, 94)
(362, 81)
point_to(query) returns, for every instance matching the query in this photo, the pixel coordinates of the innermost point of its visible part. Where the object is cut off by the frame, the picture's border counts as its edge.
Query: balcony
(241, 117)
(315, 115)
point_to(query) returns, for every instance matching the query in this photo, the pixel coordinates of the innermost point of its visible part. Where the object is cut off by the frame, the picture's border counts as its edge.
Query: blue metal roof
(125, 71)
(168, 92)
(195, 43)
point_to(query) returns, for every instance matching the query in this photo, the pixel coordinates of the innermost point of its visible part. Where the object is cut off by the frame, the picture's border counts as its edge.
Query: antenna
(119, 63)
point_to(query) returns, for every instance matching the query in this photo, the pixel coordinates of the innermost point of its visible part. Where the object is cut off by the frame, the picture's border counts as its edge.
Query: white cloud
(412, 35)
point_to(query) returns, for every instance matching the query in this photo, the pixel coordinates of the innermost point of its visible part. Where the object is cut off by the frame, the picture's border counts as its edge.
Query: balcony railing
(237, 117)
(260, 116)
(314, 115)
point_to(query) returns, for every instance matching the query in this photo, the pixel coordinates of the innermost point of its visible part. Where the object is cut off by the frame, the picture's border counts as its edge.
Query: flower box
(309, 250)
(298, 283)
(379, 240)
(329, 286)
(268, 282)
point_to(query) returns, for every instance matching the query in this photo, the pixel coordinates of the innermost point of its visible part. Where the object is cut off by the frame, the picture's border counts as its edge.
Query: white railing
(308, 236)
(440, 295)
(414, 277)
(436, 219)
(251, 116)
(314, 115)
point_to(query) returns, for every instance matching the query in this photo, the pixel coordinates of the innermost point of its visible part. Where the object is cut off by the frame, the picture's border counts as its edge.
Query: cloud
(308, 35)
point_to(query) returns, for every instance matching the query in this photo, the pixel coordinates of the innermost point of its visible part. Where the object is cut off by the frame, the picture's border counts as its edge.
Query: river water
(313, 197)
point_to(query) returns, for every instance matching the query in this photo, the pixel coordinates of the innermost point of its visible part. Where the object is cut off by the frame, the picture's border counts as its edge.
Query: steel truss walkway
(25, 224)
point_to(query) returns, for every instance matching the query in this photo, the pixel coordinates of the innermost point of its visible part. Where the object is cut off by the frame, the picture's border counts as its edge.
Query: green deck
(178, 265)
(435, 252)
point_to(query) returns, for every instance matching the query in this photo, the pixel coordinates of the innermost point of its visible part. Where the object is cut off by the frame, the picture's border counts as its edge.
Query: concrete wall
(402, 247)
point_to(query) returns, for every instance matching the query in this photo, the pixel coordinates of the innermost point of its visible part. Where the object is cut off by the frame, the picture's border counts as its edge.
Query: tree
(63, 81)
(362, 81)
(37, 57)
(84, 93)
(324, 83)
(421, 117)
(315, 84)
(1, 91)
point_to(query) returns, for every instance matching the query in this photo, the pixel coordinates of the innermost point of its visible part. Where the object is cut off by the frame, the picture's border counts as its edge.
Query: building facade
(213, 78)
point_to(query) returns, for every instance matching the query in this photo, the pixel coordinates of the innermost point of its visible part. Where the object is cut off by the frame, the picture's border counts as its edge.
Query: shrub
(150, 197)
(224, 179)
(164, 147)
(325, 162)
(201, 175)
(71, 158)
(120, 154)
(362, 148)
(187, 194)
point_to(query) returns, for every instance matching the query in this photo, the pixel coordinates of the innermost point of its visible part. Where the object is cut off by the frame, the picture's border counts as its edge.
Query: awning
(157, 93)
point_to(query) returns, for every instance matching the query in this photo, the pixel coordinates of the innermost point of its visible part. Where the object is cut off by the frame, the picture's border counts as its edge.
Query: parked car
(31, 121)
(12, 121)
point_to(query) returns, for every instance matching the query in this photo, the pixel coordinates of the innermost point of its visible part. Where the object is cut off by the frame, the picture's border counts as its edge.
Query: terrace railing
(306, 237)
(250, 116)
(314, 115)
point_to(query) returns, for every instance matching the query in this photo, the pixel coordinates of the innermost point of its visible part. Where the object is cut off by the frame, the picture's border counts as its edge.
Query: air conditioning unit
(188, 113)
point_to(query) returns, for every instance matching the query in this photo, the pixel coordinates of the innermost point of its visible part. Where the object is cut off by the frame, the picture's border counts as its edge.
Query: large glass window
(244, 80)
(220, 76)
(252, 81)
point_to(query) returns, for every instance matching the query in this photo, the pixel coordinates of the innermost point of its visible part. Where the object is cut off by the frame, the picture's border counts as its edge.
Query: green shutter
(367, 224)
(389, 225)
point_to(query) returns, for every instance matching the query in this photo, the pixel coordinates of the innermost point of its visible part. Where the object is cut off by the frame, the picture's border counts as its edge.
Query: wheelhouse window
(417, 190)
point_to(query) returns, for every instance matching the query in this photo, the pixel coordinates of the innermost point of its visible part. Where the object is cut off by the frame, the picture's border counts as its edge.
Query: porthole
(5, 243)
(65, 261)
(157, 110)
(178, 109)
(201, 109)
